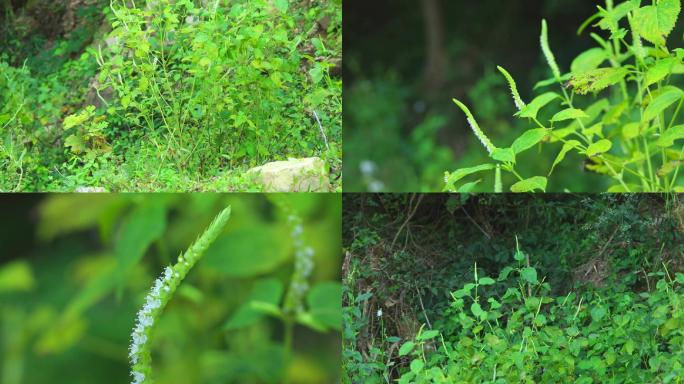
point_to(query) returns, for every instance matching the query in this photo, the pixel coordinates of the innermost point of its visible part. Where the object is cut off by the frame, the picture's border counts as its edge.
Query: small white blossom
(379, 313)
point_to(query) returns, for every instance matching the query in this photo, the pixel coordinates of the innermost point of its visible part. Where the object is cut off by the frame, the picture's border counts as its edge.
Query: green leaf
(668, 138)
(406, 348)
(266, 291)
(597, 79)
(529, 274)
(598, 313)
(567, 147)
(631, 131)
(325, 304)
(506, 155)
(282, 5)
(655, 22)
(665, 99)
(75, 143)
(248, 251)
(427, 335)
(139, 229)
(660, 70)
(599, 147)
(539, 102)
(463, 172)
(468, 187)
(530, 185)
(16, 276)
(588, 60)
(569, 114)
(486, 281)
(529, 139)
(417, 366)
(476, 309)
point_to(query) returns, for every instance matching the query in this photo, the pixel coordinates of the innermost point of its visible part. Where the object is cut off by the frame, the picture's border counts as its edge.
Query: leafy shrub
(628, 133)
(527, 335)
(406, 255)
(181, 95)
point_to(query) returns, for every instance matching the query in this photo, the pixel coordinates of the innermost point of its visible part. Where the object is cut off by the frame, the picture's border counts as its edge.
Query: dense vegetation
(77, 268)
(630, 131)
(402, 130)
(513, 289)
(163, 94)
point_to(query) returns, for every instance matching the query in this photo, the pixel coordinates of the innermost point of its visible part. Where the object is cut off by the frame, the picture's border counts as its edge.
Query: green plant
(629, 131)
(160, 294)
(511, 329)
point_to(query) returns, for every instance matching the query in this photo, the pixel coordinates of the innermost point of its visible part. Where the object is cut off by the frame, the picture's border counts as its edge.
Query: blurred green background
(74, 270)
(404, 60)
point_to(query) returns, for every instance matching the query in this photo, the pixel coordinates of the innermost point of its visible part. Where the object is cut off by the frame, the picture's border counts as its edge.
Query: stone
(90, 190)
(294, 175)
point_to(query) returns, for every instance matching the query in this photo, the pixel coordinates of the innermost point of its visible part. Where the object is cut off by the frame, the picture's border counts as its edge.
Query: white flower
(379, 314)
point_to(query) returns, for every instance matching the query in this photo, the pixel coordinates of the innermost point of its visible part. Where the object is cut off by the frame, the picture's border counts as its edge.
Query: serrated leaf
(406, 348)
(598, 313)
(630, 131)
(529, 274)
(530, 185)
(569, 114)
(529, 139)
(427, 335)
(588, 60)
(75, 144)
(599, 147)
(282, 5)
(597, 79)
(668, 168)
(506, 155)
(668, 138)
(539, 102)
(468, 187)
(655, 22)
(417, 366)
(668, 97)
(567, 147)
(660, 70)
(265, 291)
(463, 172)
(476, 309)
(325, 304)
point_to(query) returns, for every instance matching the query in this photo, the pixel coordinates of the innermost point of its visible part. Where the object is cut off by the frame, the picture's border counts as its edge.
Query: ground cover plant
(100, 293)
(512, 288)
(166, 95)
(620, 106)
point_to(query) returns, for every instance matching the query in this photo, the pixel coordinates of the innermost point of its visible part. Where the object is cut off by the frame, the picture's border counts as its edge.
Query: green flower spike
(162, 291)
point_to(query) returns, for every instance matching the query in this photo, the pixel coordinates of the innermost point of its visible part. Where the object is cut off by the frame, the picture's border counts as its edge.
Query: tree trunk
(435, 55)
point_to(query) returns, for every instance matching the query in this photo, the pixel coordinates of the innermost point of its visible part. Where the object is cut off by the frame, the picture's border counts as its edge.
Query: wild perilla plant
(162, 291)
(627, 131)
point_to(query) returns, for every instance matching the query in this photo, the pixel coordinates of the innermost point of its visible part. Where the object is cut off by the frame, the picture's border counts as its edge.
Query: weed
(628, 132)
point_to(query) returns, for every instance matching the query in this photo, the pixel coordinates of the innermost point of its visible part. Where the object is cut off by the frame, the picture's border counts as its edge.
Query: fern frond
(550, 59)
(514, 89)
(476, 128)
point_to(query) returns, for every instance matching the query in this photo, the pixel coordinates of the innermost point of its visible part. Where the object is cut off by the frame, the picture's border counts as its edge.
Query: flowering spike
(476, 128)
(160, 294)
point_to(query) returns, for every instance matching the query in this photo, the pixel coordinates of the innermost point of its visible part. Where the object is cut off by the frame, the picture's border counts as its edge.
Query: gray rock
(294, 175)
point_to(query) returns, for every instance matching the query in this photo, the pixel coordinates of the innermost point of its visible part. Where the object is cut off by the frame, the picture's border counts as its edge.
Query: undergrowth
(168, 95)
(511, 288)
